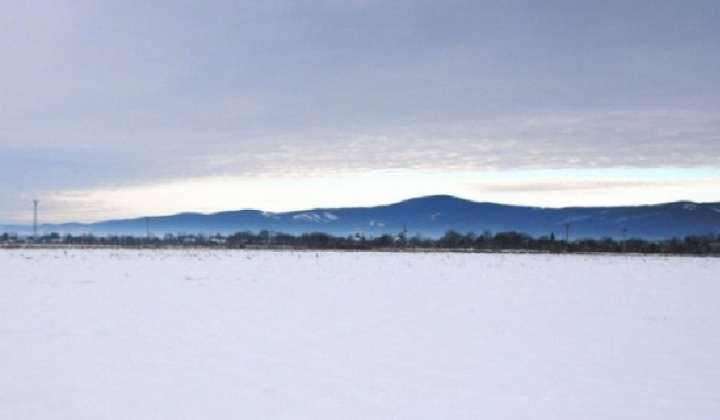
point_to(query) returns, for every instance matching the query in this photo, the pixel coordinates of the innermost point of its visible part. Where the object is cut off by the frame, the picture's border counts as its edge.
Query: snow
(123, 334)
(310, 217)
(315, 217)
(271, 215)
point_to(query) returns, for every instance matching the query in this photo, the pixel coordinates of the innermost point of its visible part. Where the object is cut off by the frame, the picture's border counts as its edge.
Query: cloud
(211, 194)
(584, 188)
(103, 182)
(547, 188)
(544, 186)
(619, 139)
(101, 95)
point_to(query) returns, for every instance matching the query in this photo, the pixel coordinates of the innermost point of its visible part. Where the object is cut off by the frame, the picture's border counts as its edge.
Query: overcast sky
(131, 108)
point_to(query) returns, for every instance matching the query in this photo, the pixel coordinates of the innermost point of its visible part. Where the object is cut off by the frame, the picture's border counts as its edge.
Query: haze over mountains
(430, 216)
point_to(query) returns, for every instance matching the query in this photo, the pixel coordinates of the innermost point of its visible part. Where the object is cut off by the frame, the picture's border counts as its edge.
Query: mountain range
(429, 216)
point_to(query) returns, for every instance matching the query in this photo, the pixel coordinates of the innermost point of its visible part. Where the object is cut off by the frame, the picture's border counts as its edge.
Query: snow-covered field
(120, 334)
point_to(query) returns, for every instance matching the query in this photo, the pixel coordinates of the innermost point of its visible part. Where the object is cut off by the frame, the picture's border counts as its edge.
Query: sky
(139, 108)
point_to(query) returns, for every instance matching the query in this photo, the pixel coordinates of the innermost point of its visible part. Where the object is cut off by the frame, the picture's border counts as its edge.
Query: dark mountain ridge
(431, 216)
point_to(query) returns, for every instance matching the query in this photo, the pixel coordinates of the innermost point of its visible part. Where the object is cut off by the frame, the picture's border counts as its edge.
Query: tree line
(451, 240)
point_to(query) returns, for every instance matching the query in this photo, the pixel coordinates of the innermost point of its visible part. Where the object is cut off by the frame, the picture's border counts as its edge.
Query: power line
(35, 220)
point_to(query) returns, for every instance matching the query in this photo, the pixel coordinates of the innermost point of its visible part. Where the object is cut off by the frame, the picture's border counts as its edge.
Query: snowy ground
(102, 334)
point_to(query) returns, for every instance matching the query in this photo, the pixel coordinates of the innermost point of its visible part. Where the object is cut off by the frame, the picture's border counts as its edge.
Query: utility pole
(567, 233)
(624, 242)
(35, 220)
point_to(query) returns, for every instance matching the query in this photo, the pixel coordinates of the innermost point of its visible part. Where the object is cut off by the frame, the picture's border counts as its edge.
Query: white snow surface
(192, 334)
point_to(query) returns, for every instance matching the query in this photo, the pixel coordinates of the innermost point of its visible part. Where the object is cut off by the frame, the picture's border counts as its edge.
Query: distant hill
(431, 217)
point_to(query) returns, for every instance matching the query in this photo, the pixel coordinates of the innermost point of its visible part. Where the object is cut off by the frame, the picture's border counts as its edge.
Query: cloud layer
(101, 95)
